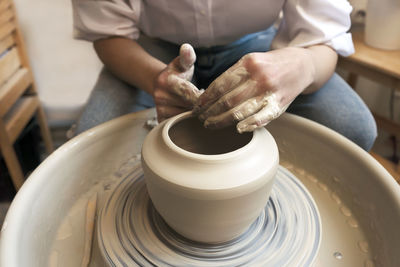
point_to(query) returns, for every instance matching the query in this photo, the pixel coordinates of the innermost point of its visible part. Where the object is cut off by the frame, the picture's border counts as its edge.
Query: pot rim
(202, 157)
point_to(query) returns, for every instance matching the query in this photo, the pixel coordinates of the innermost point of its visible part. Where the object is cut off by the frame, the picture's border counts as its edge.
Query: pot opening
(190, 135)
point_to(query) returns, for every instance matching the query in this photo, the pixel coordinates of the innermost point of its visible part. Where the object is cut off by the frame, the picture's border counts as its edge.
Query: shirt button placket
(202, 20)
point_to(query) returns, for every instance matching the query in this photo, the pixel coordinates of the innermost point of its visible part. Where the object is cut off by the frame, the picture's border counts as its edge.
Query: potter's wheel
(358, 201)
(130, 232)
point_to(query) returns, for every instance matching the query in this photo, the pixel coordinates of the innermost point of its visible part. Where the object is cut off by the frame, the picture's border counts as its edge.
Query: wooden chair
(19, 101)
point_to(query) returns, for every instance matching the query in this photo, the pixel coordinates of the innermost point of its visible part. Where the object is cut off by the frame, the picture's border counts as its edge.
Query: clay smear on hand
(221, 86)
(234, 96)
(183, 88)
(270, 111)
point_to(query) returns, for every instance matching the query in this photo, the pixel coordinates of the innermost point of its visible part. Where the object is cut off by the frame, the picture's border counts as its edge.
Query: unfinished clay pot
(208, 185)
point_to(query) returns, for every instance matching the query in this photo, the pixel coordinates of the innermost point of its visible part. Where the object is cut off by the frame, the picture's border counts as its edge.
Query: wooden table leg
(44, 129)
(352, 80)
(10, 157)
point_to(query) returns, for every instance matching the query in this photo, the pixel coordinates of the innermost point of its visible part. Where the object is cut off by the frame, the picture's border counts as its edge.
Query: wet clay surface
(190, 135)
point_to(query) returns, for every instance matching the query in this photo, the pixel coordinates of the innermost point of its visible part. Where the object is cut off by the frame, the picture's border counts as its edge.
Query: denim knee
(338, 107)
(365, 134)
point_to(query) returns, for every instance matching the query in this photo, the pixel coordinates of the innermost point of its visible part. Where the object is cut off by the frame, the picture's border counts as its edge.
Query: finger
(164, 98)
(184, 89)
(232, 99)
(221, 86)
(187, 56)
(165, 112)
(185, 60)
(269, 112)
(238, 113)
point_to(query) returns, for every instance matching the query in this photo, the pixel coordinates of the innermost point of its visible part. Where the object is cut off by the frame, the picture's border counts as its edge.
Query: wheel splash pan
(358, 200)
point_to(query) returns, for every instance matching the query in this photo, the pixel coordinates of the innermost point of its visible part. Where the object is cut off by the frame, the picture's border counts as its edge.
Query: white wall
(65, 69)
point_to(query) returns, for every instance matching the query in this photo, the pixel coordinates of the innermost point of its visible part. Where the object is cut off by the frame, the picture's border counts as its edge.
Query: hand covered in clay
(256, 90)
(173, 92)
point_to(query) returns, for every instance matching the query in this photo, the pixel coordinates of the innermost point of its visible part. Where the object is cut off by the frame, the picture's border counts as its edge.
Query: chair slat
(6, 16)
(9, 64)
(14, 88)
(7, 29)
(4, 4)
(19, 116)
(6, 43)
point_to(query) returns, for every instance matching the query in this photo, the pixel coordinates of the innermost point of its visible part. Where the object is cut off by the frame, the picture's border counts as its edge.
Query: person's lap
(110, 99)
(335, 105)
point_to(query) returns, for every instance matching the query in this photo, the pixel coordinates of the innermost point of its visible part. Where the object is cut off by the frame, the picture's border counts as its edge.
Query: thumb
(187, 57)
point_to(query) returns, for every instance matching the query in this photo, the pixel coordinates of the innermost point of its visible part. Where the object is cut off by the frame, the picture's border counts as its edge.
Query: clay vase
(208, 185)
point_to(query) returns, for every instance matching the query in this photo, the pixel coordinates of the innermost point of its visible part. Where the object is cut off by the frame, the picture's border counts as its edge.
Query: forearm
(127, 60)
(324, 59)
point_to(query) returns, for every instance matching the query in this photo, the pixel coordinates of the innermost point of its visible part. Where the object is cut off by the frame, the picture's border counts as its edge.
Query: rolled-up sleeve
(97, 19)
(311, 22)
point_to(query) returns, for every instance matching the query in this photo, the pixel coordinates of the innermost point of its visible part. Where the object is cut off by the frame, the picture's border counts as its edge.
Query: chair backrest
(19, 102)
(15, 73)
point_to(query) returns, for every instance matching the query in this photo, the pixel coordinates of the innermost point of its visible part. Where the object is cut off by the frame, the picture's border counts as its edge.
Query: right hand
(173, 92)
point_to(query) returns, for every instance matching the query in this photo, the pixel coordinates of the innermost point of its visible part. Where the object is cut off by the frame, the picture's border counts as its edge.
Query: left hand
(173, 92)
(256, 90)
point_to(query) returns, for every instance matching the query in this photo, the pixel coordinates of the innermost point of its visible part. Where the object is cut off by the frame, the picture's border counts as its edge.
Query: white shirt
(205, 23)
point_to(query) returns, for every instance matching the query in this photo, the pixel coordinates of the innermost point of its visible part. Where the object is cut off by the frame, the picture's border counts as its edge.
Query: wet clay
(190, 135)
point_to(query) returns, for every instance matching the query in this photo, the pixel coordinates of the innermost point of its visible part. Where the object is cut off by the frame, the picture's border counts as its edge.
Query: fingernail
(209, 125)
(187, 56)
(202, 117)
(195, 109)
(241, 128)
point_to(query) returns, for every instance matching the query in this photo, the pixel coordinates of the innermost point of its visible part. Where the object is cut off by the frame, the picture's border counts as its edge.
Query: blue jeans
(335, 105)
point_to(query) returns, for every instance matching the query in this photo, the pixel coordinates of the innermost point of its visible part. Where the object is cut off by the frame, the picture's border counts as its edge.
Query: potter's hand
(256, 90)
(173, 92)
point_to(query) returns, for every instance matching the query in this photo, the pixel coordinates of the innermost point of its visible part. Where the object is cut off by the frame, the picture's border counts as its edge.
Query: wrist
(148, 74)
(153, 73)
(309, 64)
(323, 60)
(305, 61)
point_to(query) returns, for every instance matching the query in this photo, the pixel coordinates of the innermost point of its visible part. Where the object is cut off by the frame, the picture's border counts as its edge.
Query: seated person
(164, 53)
